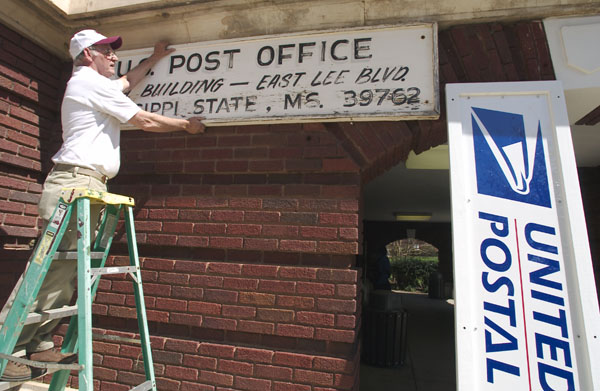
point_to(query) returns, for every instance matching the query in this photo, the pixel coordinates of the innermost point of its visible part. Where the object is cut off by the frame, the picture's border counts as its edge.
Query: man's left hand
(195, 125)
(161, 49)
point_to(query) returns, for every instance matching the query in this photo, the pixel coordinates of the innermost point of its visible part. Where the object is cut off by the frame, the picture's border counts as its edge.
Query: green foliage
(412, 274)
(411, 248)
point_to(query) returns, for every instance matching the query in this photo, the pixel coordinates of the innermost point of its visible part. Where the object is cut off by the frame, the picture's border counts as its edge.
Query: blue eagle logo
(509, 156)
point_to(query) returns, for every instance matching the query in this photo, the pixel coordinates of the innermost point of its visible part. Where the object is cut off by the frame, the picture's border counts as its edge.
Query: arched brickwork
(490, 52)
(378, 234)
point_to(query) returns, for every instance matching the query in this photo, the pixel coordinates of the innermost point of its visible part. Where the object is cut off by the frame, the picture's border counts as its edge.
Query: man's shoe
(53, 355)
(15, 372)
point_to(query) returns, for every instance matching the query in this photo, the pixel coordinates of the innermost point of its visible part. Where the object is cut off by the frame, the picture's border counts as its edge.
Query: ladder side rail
(139, 297)
(105, 238)
(36, 272)
(107, 227)
(84, 295)
(145, 386)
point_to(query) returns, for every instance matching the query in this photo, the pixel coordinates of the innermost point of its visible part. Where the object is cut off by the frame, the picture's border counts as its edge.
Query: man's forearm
(152, 122)
(134, 76)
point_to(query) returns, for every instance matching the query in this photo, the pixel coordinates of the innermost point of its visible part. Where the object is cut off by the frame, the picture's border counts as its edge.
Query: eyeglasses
(105, 52)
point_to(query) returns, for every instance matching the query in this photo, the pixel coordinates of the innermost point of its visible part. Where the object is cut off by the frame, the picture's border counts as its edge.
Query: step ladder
(90, 266)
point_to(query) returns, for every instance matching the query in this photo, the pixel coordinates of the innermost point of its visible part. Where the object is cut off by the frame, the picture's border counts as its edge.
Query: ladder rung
(72, 255)
(145, 386)
(57, 313)
(113, 270)
(42, 364)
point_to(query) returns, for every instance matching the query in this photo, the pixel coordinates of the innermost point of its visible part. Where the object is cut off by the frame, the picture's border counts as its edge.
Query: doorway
(416, 253)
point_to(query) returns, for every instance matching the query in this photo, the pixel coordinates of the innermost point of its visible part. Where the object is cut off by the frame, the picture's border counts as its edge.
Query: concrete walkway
(430, 361)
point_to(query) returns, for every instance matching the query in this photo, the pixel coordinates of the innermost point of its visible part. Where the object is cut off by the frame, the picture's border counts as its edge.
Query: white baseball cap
(87, 38)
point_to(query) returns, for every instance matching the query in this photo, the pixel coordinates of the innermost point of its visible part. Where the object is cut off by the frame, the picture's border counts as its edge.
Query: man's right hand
(195, 125)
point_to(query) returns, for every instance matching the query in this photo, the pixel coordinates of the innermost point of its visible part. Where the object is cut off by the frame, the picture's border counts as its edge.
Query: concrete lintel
(50, 23)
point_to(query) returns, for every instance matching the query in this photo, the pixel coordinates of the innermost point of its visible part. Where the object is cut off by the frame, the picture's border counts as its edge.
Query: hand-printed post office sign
(379, 73)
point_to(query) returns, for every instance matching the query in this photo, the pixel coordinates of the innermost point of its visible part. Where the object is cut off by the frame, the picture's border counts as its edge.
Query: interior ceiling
(422, 183)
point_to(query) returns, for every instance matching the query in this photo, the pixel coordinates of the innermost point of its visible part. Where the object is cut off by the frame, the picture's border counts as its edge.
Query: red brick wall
(30, 92)
(248, 237)
(246, 326)
(31, 86)
(251, 188)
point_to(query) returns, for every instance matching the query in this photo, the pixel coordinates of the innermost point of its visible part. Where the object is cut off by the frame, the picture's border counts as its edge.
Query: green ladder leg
(139, 298)
(84, 296)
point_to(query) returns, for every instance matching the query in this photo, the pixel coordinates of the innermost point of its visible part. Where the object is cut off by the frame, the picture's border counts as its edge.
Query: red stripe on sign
(523, 304)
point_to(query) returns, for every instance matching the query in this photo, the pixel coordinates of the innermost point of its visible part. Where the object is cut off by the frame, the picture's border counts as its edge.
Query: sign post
(368, 74)
(527, 313)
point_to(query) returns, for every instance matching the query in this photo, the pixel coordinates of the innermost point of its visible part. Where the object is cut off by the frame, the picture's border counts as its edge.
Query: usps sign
(527, 316)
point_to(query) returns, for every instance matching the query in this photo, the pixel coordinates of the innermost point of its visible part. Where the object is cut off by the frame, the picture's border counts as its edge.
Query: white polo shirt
(92, 110)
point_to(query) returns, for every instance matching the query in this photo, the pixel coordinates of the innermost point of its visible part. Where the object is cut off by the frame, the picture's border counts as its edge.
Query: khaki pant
(59, 284)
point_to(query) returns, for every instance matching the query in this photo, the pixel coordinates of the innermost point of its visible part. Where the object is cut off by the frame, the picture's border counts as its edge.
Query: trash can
(436, 285)
(384, 342)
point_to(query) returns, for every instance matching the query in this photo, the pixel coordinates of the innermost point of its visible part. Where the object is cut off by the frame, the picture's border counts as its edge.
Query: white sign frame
(471, 111)
(362, 74)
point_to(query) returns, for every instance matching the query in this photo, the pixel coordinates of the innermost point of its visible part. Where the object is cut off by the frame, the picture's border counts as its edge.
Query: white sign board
(379, 73)
(526, 307)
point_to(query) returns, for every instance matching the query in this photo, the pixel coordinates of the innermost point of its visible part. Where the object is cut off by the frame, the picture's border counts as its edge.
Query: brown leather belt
(80, 170)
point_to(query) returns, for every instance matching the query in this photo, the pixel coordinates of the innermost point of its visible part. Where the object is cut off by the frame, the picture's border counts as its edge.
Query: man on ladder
(92, 110)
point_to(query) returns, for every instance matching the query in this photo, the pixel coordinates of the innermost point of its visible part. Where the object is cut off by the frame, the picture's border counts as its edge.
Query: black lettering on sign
(188, 87)
(369, 75)
(331, 77)
(380, 95)
(339, 50)
(260, 57)
(359, 47)
(281, 81)
(195, 61)
(310, 100)
(297, 101)
(302, 53)
(164, 108)
(221, 105)
(211, 60)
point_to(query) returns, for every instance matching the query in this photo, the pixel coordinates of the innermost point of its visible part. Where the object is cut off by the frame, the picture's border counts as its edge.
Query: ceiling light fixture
(412, 216)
